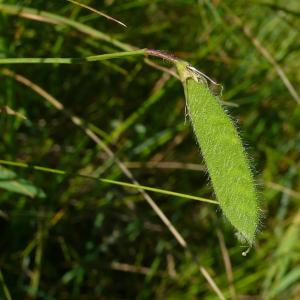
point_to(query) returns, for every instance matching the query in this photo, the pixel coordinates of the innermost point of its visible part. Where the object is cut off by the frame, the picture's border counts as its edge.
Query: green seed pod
(223, 153)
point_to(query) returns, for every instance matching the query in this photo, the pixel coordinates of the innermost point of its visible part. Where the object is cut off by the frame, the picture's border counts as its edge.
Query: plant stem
(161, 54)
(55, 60)
(4, 287)
(107, 56)
(109, 181)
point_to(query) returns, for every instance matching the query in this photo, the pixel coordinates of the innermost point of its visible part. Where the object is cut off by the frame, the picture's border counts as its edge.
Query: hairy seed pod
(223, 153)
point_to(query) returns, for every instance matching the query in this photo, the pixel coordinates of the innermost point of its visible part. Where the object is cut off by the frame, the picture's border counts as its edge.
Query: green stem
(4, 287)
(109, 181)
(54, 60)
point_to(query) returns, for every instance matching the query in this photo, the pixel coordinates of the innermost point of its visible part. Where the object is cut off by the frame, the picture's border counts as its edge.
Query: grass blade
(9, 181)
(100, 13)
(59, 60)
(6, 291)
(105, 180)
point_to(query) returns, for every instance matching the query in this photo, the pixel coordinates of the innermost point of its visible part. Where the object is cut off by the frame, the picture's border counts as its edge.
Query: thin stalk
(162, 54)
(100, 13)
(105, 180)
(58, 60)
(36, 273)
(73, 60)
(6, 291)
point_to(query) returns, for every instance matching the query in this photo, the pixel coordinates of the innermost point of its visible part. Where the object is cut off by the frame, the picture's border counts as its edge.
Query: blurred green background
(64, 237)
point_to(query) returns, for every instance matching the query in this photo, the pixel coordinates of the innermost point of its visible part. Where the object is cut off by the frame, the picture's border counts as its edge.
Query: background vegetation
(64, 237)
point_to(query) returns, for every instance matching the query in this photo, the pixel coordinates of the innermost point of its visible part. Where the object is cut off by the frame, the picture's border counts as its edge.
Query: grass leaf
(11, 182)
(100, 13)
